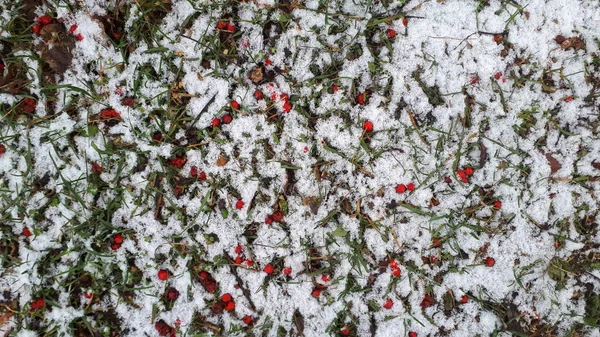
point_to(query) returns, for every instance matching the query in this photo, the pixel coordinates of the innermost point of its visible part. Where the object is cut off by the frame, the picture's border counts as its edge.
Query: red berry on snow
(368, 126)
(268, 220)
(247, 319)
(469, 171)
(396, 272)
(2, 149)
(38, 304)
(404, 21)
(345, 331)
(490, 261)
(118, 238)
(44, 19)
(388, 304)
(110, 114)
(258, 95)
(464, 299)
(335, 88)
(316, 293)
(73, 28)
(268, 268)
(172, 294)
(157, 136)
(221, 25)
(230, 306)
(202, 175)
(325, 278)
(568, 99)
(267, 62)
(497, 204)
(115, 246)
(239, 260)
(497, 75)
(249, 262)
(226, 119)
(194, 171)
(277, 216)
(230, 28)
(163, 275)
(238, 249)
(412, 334)
(463, 176)
(410, 187)
(36, 28)
(79, 37)
(474, 80)
(287, 107)
(391, 33)
(447, 179)
(215, 122)
(400, 188)
(239, 204)
(287, 270)
(393, 264)
(235, 104)
(226, 297)
(426, 302)
(26, 232)
(96, 168)
(177, 162)
(362, 98)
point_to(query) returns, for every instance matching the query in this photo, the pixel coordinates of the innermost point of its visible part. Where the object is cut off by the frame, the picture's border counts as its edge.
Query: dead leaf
(222, 161)
(554, 164)
(256, 75)
(57, 47)
(313, 203)
(433, 202)
(572, 42)
(4, 318)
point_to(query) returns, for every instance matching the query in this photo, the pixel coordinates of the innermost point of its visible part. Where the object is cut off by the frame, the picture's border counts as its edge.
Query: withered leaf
(313, 203)
(222, 161)
(57, 47)
(256, 74)
(554, 164)
(572, 42)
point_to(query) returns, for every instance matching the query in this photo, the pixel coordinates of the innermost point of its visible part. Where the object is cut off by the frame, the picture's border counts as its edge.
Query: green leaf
(340, 231)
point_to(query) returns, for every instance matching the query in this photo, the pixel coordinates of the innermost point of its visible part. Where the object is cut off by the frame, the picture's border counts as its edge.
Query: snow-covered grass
(299, 168)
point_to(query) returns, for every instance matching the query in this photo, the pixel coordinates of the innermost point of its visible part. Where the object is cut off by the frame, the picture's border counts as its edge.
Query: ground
(299, 168)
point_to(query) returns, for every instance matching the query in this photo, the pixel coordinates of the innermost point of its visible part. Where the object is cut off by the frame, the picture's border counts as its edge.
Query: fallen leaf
(256, 75)
(57, 47)
(222, 161)
(554, 164)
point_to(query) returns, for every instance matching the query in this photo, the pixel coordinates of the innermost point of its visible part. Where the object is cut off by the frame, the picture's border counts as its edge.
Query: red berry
(316, 293)
(230, 28)
(268, 220)
(118, 238)
(404, 21)
(287, 270)
(396, 272)
(247, 319)
(194, 171)
(464, 299)
(268, 62)
(44, 19)
(497, 75)
(79, 37)
(447, 179)
(287, 107)
(412, 334)
(177, 162)
(96, 168)
(110, 114)
(393, 264)
(26, 232)
(239, 260)
(235, 104)
(391, 33)
(426, 302)
(215, 122)
(239, 204)
(497, 204)
(463, 176)
(258, 95)
(38, 304)
(163, 275)
(238, 249)
(277, 216)
(410, 187)
(474, 80)
(284, 97)
(325, 278)
(345, 331)
(230, 306)
(368, 126)
(469, 171)
(88, 295)
(115, 246)
(36, 28)
(173, 294)
(128, 101)
(268, 268)
(249, 262)
(362, 98)
(388, 304)
(2, 149)
(335, 88)
(400, 188)
(568, 99)
(72, 29)
(226, 297)
(202, 175)
(490, 261)
(221, 25)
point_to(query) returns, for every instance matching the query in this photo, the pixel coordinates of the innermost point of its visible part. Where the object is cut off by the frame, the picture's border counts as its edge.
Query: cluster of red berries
(117, 241)
(41, 21)
(73, 29)
(363, 98)
(224, 26)
(107, 114)
(277, 216)
(464, 174)
(226, 118)
(287, 106)
(240, 258)
(194, 172)
(38, 304)
(164, 329)
(225, 303)
(207, 281)
(28, 105)
(395, 268)
(401, 188)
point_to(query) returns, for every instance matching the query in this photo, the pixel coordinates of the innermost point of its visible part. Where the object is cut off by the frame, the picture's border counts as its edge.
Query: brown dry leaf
(56, 50)
(222, 161)
(571, 42)
(554, 164)
(433, 202)
(256, 75)
(313, 203)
